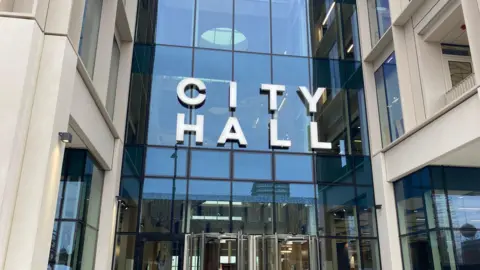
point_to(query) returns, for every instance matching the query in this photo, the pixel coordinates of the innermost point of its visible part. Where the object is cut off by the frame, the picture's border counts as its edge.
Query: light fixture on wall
(65, 137)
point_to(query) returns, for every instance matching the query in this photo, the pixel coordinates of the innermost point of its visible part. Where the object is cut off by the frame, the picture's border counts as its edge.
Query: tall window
(380, 19)
(389, 102)
(112, 80)
(75, 231)
(87, 48)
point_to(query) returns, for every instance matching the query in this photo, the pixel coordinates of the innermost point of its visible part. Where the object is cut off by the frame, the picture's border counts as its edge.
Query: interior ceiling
(451, 29)
(456, 35)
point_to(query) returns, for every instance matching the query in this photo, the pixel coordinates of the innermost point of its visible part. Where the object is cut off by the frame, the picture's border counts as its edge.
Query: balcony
(461, 88)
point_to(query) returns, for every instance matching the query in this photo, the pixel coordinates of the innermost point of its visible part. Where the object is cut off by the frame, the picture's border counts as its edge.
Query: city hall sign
(232, 130)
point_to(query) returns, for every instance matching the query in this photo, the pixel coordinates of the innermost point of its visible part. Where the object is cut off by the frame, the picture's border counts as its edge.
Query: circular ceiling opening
(222, 38)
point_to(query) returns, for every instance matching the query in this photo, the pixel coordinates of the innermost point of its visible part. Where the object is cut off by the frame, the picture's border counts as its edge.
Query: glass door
(208, 251)
(283, 252)
(162, 255)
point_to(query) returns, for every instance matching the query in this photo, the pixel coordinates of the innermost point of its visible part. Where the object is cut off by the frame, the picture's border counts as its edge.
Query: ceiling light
(349, 50)
(328, 13)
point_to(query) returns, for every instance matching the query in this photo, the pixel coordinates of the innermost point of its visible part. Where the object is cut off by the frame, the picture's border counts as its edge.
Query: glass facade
(171, 192)
(438, 215)
(79, 198)
(389, 101)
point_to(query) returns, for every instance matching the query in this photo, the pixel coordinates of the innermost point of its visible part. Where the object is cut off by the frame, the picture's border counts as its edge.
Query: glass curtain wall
(79, 199)
(439, 218)
(170, 189)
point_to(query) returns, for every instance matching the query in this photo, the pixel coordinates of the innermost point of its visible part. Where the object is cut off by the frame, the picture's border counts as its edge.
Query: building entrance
(207, 251)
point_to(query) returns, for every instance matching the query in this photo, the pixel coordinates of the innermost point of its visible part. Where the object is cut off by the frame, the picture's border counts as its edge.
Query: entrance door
(161, 255)
(209, 251)
(285, 252)
(253, 252)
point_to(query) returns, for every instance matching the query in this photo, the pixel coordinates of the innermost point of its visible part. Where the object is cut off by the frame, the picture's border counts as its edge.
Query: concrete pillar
(471, 14)
(408, 75)
(388, 233)
(108, 217)
(20, 54)
(32, 226)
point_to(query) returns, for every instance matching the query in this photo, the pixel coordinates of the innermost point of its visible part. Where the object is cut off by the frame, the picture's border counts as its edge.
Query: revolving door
(208, 251)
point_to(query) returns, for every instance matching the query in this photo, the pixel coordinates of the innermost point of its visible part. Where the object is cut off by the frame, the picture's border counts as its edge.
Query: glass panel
(358, 123)
(252, 21)
(252, 207)
(439, 198)
(87, 49)
(174, 22)
(442, 250)
(467, 245)
(209, 206)
(394, 103)
(59, 196)
(382, 107)
(89, 247)
(94, 199)
(113, 78)
(67, 253)
(295, 208)
(251, 70)
(214, 24)
(163, 198)
(340, 254)
(161, 161)
(214, 68)
(334, 169)
(140, 86)
(383, 16)
(363, 170)
(293, 168)
(170, 66)
(366, 212)
(53, 246)
(337, 214)
(252, 166)
(74, 198)
(124, 252)
(133, 161)
(414, 202)
(416, 252)
(289, 27)
(210, 164)
(130, 193)
(292, 115)
(463, 196)
(162, 255)
(294, 255)
(369, 253)
(459, 71)
(324, 28)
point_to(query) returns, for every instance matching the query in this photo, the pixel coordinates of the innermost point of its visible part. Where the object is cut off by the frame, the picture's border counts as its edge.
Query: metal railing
(459, 89)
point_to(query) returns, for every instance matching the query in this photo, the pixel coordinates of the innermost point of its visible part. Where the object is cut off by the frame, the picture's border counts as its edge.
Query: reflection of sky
(465, 209)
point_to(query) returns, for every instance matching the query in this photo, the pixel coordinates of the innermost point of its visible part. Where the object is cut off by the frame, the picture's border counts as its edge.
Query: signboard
(233, 130)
